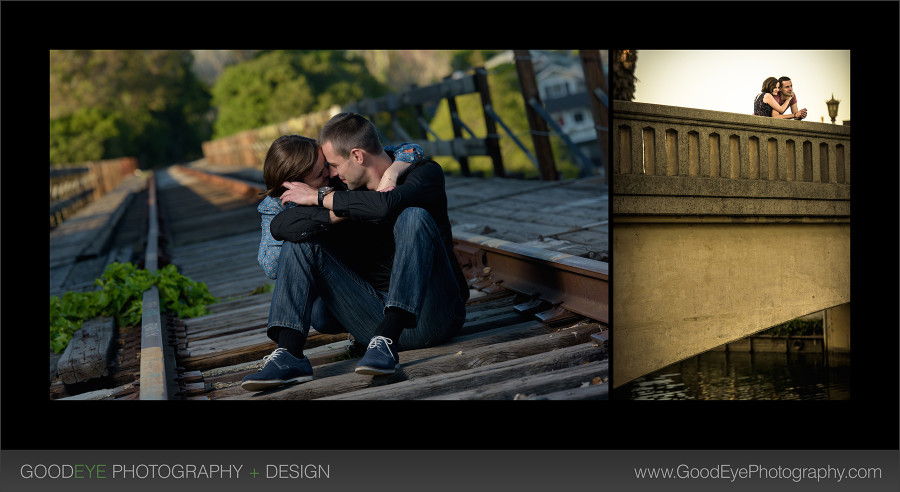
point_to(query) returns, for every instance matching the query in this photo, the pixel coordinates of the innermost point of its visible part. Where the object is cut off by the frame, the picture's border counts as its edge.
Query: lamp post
(832, 107)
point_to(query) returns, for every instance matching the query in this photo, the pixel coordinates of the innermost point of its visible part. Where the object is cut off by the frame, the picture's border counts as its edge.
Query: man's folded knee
(416, 212)
(414, 216)
(303, 248)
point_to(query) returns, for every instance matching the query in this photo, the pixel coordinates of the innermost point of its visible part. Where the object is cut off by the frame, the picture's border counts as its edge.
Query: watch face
(322, 192)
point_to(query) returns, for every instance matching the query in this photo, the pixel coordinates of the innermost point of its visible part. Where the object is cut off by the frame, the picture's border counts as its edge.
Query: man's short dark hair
(347, 131)
(783, 78)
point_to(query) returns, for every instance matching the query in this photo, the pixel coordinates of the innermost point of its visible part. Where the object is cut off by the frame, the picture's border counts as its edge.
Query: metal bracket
(533, 306)
(556, 315)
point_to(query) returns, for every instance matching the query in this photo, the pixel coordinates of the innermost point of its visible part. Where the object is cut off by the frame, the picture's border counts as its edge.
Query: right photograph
(730, 232)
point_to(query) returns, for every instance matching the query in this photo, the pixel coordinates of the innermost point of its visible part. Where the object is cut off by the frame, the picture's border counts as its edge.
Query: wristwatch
(322, 192)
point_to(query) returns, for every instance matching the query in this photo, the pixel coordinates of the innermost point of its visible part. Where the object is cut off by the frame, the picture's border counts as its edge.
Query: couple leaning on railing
(776, 97)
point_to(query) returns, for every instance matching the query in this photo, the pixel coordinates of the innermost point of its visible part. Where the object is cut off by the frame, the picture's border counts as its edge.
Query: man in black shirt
(382, 261)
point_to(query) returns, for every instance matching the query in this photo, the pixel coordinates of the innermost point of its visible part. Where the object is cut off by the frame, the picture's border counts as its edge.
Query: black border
(868, 421)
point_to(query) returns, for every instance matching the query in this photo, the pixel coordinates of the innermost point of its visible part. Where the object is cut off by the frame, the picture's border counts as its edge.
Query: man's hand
(802, 114)
(300, 193)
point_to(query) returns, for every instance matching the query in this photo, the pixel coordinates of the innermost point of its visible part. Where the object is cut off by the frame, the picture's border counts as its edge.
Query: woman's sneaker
(379, 358)
(280, 368)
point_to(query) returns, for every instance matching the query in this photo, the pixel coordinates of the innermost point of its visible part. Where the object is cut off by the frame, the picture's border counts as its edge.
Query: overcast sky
(723, 80)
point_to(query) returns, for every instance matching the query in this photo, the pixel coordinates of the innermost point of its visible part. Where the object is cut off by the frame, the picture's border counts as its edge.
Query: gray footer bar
(449, 470)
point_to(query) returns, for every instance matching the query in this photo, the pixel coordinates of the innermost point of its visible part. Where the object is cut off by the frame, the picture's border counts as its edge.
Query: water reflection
(743, 376)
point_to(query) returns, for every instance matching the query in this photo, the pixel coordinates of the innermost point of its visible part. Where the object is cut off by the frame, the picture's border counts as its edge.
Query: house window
(579, 117)
(557, 90)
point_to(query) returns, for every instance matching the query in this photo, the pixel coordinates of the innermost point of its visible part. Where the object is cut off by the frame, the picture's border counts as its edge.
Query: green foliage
(278, 85)
(120, 294)
(79, 136)
(466, 59)
(114, 103)
(795, 328)
(262, 289)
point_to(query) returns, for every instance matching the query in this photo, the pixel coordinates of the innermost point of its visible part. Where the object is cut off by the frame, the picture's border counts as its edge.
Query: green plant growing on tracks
(262, 289)
(120, 294)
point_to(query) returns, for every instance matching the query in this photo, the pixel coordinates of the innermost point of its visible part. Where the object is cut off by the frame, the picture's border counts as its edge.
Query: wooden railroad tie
(87, 355)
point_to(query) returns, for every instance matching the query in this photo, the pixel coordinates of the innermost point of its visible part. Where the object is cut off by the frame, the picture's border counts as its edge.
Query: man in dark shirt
(382, 261)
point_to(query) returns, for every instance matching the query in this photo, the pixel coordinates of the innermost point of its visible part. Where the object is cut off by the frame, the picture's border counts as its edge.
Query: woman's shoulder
(270, 205)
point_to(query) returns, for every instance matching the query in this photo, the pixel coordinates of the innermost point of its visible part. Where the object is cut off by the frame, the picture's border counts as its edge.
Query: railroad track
(536, 324)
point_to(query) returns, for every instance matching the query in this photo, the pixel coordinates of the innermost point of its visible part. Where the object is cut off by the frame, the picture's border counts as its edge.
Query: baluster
(693, 153)
(703, 139)
(716, 155)
(840, 166)
(671, 146)
(754, 159)
(648, 148)
(777, 172)
(734, 156)
(807, 158)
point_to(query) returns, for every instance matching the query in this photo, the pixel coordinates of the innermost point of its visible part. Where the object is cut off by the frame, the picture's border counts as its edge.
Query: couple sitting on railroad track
(358, 240)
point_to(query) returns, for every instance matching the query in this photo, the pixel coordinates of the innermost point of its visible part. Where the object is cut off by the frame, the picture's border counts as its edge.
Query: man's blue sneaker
(280, 368)
(379, 358)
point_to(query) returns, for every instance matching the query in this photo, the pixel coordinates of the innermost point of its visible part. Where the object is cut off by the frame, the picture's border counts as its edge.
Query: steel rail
(564, 282)
(153, 360)
(159, 376)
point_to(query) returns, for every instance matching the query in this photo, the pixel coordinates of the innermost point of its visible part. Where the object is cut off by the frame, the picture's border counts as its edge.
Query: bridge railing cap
(706, 117)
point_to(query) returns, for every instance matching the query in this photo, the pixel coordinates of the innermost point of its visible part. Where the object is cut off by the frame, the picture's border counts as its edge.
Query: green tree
(464, 59)
(624, 62)
(278, 85)
(142, 103)
(79, 136)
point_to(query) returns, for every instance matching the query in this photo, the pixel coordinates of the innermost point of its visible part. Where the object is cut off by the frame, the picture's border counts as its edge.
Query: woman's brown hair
(290, 158)
(769, 84)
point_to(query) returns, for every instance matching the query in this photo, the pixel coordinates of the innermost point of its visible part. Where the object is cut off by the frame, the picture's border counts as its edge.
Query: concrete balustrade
(652, 139)
(694, 162)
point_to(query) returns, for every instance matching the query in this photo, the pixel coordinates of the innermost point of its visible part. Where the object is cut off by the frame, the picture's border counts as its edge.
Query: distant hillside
(208, 64)
(399, 68)
(395, 68)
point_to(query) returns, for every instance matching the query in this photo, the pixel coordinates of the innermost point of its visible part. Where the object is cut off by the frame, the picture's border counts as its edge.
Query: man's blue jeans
(422, 282)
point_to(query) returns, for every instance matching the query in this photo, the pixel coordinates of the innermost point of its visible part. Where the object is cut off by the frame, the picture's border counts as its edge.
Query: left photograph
(318, 224)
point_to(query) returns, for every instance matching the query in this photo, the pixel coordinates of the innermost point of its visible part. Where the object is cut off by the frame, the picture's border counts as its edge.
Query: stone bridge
(724, 225)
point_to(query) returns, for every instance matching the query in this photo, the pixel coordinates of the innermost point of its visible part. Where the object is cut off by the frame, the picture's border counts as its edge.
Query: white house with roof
(560, 81)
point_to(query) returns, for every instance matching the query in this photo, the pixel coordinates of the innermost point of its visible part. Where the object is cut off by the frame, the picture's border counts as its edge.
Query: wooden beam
(540, 134)
(559, 384)
(593, 80)
(87, 355)
(481, 375)
(492, 140)
(457, 131)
